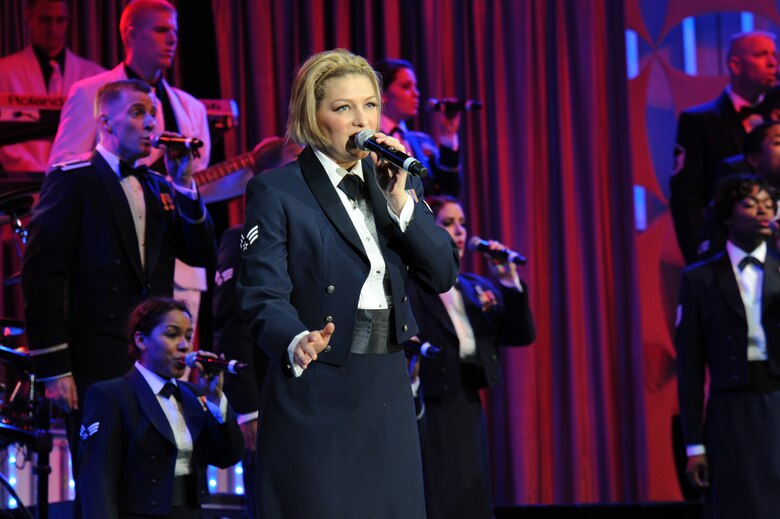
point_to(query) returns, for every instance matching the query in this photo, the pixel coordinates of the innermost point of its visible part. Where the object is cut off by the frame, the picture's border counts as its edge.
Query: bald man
(709, 133)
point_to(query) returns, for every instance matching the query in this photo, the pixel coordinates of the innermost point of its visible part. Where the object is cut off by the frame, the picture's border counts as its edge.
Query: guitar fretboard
(217, 171)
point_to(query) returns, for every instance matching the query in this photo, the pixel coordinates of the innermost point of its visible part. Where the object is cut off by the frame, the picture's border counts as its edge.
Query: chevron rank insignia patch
(246, 240)
(88, 431)
(220, 278)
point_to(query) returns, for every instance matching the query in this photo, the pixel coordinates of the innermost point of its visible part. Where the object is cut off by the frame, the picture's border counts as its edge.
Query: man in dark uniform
(727, 325)
(709, 133)
(102, 238)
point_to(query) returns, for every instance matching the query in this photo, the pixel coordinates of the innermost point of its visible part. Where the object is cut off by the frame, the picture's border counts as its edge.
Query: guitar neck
(223, 169)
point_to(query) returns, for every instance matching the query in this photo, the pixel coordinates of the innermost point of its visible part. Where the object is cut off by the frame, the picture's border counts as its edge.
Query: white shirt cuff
(191, 193)
(248, 417)
(407, 212)
(695, 450)
(297, 370)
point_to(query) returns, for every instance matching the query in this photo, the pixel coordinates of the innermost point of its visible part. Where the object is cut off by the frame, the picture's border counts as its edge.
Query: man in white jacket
(44, 67)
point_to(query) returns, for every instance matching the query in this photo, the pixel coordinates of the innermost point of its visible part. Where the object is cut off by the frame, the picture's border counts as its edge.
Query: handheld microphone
(426, 349)
(478, 244)
(469, 105)
(190, 143)
(364, 141)
(214, 364)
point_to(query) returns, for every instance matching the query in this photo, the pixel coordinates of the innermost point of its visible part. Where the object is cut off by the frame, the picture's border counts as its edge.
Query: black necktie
(126, 170)
(353, 186)
(170, 389)
(748, 260)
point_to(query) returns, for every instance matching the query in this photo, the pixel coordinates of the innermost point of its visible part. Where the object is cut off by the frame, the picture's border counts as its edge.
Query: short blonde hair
(136, 9)
(308, 91)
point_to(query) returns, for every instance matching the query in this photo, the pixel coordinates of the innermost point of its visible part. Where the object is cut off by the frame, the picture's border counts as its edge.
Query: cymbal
(11, 327)
(12, 279)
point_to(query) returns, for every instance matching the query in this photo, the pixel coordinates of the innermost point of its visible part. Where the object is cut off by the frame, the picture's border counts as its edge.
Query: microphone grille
(191, 358)
(361, 137)
(474, 243)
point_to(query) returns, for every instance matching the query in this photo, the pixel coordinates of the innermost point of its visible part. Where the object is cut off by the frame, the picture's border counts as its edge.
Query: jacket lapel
(149, 404)
(193, 411)
(724, 273)
(771, 287)
(33, 74)
(736, 128)
(153, 231)
(120, 208)
(320, 185)
(471, 301)
(384, 224)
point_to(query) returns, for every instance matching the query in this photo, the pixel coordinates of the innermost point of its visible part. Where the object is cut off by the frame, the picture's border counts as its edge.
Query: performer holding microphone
(329, 245)
(401, 99)
(149, 31)
(102, 238)
(467, 324)
(147, 437)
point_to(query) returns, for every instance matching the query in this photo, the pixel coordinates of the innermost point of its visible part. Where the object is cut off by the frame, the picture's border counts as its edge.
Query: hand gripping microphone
(365, 141)
(214, 364)
(478, 244)
(190, 143)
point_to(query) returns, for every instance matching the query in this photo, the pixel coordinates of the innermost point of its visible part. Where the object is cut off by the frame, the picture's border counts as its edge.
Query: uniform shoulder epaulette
(72, 164)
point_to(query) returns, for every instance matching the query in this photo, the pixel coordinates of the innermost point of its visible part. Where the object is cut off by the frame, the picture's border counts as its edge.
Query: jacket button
(111, 315)
(407, 268)
(733, 357)
(404, 299)
(153, 503)
(494, 357)
(117, 261)
(728, 338)
(445, 387)
(327, 348)
(152, 457)
(734, 376)
(443, 369)
(405, 328)
(114, 290)
(153, 481)
(329, 319)
(330, 289)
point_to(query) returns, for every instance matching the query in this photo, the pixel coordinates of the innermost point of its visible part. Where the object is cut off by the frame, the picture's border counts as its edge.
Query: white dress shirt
(372, 295)
(750, 280)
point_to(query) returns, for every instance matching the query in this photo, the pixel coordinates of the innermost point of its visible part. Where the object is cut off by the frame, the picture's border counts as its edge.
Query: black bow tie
(747, 110)
(170, 389)
(744, 262)
(126, 170)
(353, 186)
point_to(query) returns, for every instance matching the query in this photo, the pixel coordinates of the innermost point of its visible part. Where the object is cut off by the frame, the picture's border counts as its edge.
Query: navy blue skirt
(340, 442)
(743, 450)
